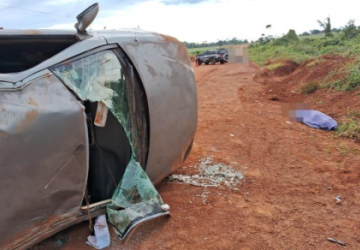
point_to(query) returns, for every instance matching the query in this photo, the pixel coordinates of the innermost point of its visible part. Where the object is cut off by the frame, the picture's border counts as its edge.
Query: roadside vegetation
(350, 128)
(309, 88)
(345, 42)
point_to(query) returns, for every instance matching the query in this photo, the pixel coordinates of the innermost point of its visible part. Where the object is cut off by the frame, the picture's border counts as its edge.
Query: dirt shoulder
(292, 175)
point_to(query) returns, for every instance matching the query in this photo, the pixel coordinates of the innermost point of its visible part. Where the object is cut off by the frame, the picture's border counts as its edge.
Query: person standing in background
(197, 59)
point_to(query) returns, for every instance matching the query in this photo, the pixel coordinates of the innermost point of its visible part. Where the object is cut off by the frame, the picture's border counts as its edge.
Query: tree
(315, 32)
(234, 41)
(290, 37)
(326, 25)
(305, 34)
(220, 43)
(350, 30)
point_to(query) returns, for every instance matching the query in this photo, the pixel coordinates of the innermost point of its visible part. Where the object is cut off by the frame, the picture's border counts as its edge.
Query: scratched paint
(42, 131)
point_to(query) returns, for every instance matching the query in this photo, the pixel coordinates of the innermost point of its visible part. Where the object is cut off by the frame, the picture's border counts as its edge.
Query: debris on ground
(336, 241)
(338, 199)
(204, 197)
(165, 207)
(211, 175)
(102, 234)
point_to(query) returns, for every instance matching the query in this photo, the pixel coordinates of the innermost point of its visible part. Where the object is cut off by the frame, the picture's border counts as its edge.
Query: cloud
(244, 19)
(177, 2)
(26, 14)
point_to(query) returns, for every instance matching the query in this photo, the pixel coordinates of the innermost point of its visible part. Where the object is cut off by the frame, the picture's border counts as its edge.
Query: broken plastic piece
(165, 207)
(101, 115)
(102, 235)
(336, 241)
(338, 199)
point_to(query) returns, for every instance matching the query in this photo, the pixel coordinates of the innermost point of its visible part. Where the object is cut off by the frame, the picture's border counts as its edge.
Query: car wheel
(207, 63)
(213, 61)
(222, 62)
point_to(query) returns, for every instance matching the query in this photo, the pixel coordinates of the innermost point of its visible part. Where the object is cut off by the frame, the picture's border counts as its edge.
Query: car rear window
(19, 53)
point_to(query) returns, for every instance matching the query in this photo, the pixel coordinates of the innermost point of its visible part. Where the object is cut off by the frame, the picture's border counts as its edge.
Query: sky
(187, 20)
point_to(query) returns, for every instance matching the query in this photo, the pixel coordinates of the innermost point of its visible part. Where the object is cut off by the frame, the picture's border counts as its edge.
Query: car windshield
(222, 51)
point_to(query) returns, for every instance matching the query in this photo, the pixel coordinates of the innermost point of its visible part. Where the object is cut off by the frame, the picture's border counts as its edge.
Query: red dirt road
(292, 175)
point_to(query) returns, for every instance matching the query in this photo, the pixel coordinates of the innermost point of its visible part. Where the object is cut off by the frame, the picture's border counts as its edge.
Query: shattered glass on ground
(99, 78)
(211, 175)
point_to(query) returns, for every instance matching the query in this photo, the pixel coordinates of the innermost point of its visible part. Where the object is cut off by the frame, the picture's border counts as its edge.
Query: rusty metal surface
(168, 78)
(53, 225)
(43, 158)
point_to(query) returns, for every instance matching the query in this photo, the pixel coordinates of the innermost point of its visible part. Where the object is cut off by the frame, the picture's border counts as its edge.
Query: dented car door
(43, 158)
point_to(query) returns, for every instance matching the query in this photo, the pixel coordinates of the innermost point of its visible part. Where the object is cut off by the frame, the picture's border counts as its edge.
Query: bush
(350, 30)
(291, 36)
(353, 80)
(288, 38)
(350, 129)
(309, 88)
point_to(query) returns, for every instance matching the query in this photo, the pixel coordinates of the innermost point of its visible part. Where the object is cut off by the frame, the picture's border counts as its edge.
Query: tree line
(348, 32)
(218, 43)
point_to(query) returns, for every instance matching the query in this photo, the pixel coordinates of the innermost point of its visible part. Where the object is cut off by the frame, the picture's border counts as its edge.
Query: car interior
(22, 52)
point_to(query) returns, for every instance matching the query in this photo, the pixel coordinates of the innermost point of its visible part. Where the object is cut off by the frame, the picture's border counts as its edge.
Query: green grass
(314, 62)
(349, 129)
(309, 88)
(320, 35)
(304, 49)
(274, 66)
(347, 78)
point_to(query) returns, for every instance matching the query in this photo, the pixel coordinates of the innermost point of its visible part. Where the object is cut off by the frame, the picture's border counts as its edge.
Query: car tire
(212, 61)
(222, 62)
(207, 63)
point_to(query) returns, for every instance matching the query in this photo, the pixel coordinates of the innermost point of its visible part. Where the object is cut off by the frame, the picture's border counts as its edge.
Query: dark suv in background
(213, 56)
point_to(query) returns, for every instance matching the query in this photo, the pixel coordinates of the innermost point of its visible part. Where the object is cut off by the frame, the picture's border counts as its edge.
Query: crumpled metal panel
(165, 70)
(97, 78)
(43, 158)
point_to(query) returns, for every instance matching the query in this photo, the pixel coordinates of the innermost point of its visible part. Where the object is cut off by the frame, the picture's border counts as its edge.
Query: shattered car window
(99, 78)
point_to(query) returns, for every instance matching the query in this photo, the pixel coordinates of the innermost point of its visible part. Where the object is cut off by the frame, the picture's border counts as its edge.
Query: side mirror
(86, 17)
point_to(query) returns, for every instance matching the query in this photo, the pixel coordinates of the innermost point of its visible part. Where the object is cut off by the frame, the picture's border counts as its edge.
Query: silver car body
(39, 196)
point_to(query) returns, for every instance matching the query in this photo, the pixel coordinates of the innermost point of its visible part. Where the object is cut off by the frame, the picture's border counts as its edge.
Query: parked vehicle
(89, 121)
(214, 56)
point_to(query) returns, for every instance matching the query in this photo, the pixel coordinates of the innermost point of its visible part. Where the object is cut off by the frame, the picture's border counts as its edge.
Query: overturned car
(89, 121)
